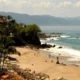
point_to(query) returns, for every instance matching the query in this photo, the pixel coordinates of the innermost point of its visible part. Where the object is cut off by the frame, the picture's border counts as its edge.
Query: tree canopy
(22, 34)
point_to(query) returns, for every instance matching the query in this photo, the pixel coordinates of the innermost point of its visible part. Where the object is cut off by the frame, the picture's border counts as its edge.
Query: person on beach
(57, 60)
(50, 56)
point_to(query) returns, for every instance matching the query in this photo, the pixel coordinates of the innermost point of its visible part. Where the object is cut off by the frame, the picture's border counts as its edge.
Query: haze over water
(62, 29)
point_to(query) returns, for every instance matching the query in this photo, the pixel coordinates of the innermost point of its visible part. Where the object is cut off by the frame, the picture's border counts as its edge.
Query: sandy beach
(37, 61)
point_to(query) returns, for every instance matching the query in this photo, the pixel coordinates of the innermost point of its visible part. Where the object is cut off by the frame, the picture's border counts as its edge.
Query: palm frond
(12, 50)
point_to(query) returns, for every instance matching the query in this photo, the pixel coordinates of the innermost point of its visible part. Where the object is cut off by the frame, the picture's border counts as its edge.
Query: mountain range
(44, 20)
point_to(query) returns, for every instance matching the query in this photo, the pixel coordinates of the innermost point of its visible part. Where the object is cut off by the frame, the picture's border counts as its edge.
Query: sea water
(70, 36)
(69, 40)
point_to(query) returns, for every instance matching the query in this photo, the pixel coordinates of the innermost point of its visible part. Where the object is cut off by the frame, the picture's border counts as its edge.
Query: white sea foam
(51, 38)
(72, 38)
(56, 51)
(65, 51)
(43, 41)
(73, 52)
(74, 59)
(64, 36)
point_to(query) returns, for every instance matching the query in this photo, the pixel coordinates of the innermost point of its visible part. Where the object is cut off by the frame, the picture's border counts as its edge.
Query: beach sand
(37, 61)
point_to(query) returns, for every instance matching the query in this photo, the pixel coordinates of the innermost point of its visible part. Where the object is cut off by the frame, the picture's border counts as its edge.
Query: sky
(58, 8)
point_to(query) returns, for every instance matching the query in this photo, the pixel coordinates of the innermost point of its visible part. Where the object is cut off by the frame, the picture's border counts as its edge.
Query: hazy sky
(61, 8)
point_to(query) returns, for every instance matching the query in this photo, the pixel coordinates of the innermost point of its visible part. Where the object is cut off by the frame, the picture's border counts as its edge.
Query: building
(3, 20)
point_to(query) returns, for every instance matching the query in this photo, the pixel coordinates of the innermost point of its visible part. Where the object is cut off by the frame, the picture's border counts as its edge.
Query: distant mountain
(43, 20)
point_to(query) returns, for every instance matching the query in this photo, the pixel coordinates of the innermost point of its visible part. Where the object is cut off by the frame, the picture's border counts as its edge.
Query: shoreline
(63, 59)
(72, 54)
(38, 62)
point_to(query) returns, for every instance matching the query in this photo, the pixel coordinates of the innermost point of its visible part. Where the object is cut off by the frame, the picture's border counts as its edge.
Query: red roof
(3, 19)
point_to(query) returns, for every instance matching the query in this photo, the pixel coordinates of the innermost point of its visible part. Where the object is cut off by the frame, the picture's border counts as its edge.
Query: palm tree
(6, 49)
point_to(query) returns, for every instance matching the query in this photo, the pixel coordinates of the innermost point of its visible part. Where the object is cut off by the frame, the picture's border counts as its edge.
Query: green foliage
(30, 34)
(33, 28)
(6, 49)
(9, 17)
(21, 33)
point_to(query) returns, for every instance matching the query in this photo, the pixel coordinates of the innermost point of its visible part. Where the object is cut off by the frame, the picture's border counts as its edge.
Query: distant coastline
(43, 20)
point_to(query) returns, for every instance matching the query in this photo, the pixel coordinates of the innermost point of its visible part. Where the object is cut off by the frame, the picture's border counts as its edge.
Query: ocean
(69, 40)
(70, 35)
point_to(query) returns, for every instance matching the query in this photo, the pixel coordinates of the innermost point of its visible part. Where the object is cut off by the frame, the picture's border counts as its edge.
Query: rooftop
(3, 19)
